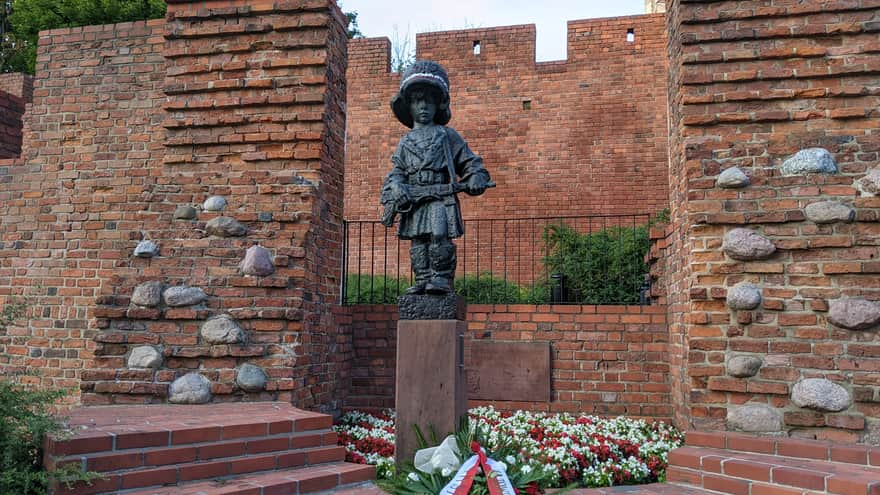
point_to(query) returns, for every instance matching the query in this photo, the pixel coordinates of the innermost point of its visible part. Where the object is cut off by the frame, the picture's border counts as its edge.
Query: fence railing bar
(613, 246)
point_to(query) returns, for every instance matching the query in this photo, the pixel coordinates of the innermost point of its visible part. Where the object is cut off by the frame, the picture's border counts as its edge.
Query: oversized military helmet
(422, 72)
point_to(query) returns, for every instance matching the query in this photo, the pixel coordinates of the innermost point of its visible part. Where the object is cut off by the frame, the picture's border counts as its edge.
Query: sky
(379, 17)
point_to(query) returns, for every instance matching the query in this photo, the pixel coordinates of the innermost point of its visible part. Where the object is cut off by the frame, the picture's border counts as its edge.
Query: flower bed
(565, 449)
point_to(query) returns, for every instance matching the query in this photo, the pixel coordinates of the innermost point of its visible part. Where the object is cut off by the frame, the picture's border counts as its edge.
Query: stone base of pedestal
(431, 388)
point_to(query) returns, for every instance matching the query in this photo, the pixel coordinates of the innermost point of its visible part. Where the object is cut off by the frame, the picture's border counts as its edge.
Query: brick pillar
(750, 86)
(254, 112)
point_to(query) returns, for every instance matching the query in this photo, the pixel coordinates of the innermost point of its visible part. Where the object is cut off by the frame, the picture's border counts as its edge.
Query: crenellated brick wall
(581, 136)
(577, 137)
(605, 360)
(750, 86)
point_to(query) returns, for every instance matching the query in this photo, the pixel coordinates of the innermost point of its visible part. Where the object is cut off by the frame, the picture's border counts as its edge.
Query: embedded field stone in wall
(744, 366)
(191, 388)
(222, 329)
(829, 212)
(147, 294)
(145, 356)
(820, 394)
(183, 295)
(810, 161)
(225, 227)
(747, 245)
(251, 378)
(854, 313)
(214, 203)
(732, 178)
(185, 212)
(146, 249)
(257, 261)
(754, 418)
(869, 185)
(744, 296)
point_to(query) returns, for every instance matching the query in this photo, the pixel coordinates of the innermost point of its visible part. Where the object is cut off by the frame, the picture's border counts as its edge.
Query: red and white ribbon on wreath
(496, 475)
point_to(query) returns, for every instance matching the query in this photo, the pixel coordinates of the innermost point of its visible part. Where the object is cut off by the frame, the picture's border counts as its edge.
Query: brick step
(788, 447)
(744, 473)
(128, 459)
(209, 469)
(326, 477)
(652, 489)
(140, 446)
(119, 428)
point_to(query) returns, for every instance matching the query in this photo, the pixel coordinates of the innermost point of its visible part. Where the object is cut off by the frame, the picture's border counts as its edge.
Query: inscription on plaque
(510, 371)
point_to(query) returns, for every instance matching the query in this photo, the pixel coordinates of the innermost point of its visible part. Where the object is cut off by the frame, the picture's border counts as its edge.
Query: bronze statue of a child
(431, 164)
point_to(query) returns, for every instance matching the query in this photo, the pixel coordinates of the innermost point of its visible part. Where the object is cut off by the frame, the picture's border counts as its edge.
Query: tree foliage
(24, 19)
(354, 31)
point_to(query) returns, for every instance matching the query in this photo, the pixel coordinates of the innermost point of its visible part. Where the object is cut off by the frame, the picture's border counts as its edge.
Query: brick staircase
(749, 465)
(230, 449)
(738, 464)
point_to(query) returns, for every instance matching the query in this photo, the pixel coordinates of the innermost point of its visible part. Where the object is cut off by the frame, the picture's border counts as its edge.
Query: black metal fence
(545, 260)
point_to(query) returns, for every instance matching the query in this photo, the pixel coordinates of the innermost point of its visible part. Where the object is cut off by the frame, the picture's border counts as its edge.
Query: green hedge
(480, 289)
(602, 267)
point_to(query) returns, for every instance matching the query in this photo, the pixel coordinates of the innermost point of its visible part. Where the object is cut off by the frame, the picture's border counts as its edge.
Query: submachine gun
(420, 194)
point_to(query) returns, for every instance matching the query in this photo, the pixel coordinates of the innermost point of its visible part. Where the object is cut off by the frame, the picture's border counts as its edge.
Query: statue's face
(422, 106)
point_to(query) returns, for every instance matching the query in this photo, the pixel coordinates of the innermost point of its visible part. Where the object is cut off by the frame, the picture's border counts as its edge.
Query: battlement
(588, 40)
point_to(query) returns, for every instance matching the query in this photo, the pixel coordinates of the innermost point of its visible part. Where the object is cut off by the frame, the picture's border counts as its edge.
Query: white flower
(526, 469)
(412, 477)
(510, 460)
(446, 471)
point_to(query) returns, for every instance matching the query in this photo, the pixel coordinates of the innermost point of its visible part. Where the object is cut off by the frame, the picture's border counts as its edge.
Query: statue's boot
(421, 266)
(443, 262)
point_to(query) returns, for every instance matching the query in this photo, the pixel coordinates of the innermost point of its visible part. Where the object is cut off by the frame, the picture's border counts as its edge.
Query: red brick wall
(16, 91)
(18, 84)
(752, 84)
(74, 204)
(593, 141)
(158, 115)
(11, 112)
(606, 360)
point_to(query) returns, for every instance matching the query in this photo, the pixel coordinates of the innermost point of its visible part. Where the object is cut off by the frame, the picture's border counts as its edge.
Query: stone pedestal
(431, 388)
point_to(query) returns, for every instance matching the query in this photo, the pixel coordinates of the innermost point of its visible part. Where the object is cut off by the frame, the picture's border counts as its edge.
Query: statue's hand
(399, 193)
(476, 185)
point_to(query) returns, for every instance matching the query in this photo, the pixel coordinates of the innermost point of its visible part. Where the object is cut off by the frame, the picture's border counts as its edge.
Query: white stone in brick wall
(746, 245)
(820, 394)
(183, 295)
(147, 294)
(222, 329)
(744, 296)
(810, 161)
(732, 178)
(145, 356)
(829, 212)
(214, 203)
(225, 227)
(869, 185)
(754, 418)
(146, 249)
(251, 378)
(257, 261)
(744, 366)
(191, 388)
(854, 313)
